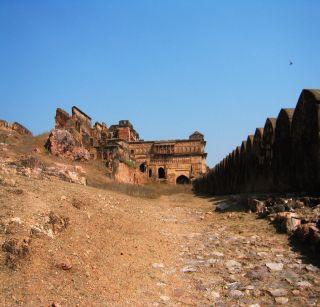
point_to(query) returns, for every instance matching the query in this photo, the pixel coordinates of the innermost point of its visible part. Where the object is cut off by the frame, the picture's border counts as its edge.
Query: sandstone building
(172, 161)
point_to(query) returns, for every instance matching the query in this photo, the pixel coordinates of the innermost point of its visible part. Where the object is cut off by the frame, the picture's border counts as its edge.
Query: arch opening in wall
(182, 179)
(150, 172)
(161, 173)
(143, 167)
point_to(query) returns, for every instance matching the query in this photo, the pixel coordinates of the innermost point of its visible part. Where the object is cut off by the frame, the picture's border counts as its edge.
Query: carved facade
(173, 161)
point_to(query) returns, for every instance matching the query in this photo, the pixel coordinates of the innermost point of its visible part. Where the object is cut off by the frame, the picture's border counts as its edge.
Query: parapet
(21, 129)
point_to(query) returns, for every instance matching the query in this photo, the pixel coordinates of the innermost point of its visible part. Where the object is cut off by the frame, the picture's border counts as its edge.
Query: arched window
(161, 173)
(143, 167)
(182, 180)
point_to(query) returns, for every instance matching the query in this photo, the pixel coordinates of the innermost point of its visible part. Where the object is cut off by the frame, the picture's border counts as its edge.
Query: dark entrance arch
(150, 172)
(161, 173)
(143, 168)
(182, 180)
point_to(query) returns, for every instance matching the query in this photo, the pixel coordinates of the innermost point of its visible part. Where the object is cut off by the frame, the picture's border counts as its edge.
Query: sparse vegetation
(130, 163)
(144, 191)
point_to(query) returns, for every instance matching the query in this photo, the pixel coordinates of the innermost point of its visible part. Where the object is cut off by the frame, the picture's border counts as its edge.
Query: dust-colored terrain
(75, 245)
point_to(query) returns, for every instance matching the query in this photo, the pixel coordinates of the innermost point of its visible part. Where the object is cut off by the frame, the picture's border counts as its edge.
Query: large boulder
(286, 221)
(62, 143)
(80, 154)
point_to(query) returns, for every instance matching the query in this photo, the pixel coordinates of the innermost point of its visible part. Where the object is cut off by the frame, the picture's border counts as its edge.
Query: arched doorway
(161, 173)
(182, 180)
(143, 167)
(150, 172)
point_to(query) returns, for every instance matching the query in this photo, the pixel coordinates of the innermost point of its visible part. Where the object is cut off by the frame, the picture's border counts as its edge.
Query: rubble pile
(298, 217)
(31, 166)
(19, 235)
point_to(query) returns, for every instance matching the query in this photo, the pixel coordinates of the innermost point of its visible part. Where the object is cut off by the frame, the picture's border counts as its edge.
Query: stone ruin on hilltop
(16, 127)
(127, 157)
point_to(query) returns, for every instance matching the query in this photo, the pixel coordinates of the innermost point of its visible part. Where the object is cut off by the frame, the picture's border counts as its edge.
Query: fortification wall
(284, 156)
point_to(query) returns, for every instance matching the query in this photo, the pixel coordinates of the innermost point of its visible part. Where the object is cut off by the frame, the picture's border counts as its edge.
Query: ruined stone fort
(130, 159)
(283, 156)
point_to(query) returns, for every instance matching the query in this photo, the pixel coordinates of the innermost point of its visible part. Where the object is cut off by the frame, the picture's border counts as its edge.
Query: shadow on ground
(238, 203)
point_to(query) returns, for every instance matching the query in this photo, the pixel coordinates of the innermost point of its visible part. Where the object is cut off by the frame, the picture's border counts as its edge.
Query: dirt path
(120, 250)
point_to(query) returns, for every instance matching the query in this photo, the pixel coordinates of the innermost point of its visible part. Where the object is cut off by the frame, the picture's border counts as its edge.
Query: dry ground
(129, 251)
(119, 250)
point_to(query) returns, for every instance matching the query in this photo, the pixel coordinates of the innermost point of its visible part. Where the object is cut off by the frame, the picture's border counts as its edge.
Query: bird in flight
(290, 63)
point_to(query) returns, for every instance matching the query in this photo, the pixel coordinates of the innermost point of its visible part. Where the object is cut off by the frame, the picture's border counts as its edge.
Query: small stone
(170, 271)
(296, 292)
(304, 284)
(312, 268)
(231, 264)
(274, 266)
(278, 292)
(262, 254)
(212, 261)
(234, 285)
(281, 300)
(157, 265)
(188, 269)
(165, 298)
(160, 284)
(214, 295)
(254, 305)
(63, 197)
(236, 294)
(217, 254)
(66, 265)
(222, 207)
(258, 273)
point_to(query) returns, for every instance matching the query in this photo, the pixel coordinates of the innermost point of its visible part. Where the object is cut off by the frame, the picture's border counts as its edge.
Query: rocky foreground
(67, 244)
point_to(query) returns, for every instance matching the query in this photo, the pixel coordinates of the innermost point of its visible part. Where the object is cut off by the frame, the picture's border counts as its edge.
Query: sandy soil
(128, 251)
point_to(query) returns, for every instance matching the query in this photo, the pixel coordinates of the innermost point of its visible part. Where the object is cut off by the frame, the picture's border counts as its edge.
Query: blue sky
(169, 66)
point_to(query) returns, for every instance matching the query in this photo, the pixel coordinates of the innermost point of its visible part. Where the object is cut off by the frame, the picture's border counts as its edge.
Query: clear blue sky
(169, 66)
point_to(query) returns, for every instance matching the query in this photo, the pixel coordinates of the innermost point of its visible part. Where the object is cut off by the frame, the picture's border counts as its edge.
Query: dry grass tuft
(143, 191)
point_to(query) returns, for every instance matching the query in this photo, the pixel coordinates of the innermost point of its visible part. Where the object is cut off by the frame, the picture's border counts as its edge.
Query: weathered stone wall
(16, 127)
(4, 124)
(125, 174)
(82, 119)
(284, 156)
(61, 118)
